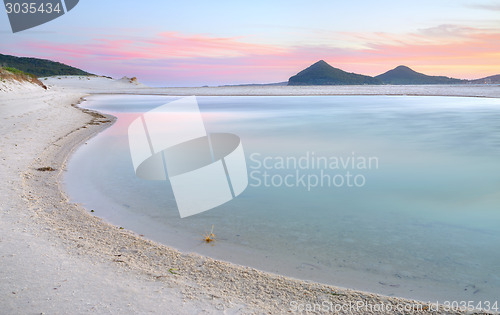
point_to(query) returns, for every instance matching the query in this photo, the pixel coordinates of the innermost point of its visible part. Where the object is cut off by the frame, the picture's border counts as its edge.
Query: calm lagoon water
(422, 222)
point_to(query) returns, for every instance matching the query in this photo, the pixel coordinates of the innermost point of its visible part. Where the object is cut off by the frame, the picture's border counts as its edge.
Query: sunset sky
(192, 43)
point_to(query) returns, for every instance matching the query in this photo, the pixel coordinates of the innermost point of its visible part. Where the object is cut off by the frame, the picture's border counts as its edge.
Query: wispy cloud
(163, 45)
(490, 7)
(448, 31)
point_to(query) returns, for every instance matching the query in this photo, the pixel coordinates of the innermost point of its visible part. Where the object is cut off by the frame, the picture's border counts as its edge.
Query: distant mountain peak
(321, 73)
(321, 62)
(404, 68)
(405, 75)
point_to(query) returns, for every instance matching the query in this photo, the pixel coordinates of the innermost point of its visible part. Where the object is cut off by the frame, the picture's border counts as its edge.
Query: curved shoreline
(197, 277)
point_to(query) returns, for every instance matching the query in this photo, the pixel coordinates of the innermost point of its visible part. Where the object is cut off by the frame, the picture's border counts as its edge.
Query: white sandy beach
(55, 258)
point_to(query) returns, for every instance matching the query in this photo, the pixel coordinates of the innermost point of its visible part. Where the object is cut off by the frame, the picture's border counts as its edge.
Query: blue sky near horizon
(230, 42)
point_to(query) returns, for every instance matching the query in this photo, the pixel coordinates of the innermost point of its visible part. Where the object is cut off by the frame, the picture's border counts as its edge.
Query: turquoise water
(420, 218)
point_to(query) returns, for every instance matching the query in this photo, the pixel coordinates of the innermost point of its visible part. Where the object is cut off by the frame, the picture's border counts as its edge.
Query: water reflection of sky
(429, 214)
